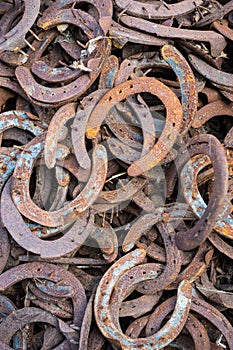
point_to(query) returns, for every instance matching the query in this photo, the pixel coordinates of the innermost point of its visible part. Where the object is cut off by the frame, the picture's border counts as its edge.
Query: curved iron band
(14, 39)
(161, 11)
(211, 73)
(224, 225)
(170, 131)
(186, 78)
(103, 311)
(49, 272)
(209, 145)
(70, 241)
(57, 96)
(104, 8)
(201, 307)
(67, 214)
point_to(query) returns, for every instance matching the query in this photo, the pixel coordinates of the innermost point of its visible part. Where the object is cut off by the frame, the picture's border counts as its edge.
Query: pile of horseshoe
(116, 174)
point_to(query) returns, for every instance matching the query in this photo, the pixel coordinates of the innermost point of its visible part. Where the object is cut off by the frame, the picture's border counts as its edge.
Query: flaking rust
(170, 131)
(83, 201)
(209, 145)
(14, 39)
(116, 171)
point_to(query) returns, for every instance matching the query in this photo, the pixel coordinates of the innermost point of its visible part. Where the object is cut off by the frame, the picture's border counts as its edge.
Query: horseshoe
(211, 110)
(173, 262)
(14, 39)
(161, 11)
(209, 145)
(21, 120)
(104, 8)
(67, 214)
(217, 41)
(69, 242)
(146, 221)
(186, 78)
(59, 95)
(193, 325)
(50, 272)
(121, 35)
(223, 28)
(19, 318)
(224, 224)
(169, 133)
(210, 73)
(104, 318)
(201, 307)
(78, 18)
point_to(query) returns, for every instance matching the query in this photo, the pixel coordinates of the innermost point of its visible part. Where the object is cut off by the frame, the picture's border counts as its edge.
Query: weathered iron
(156, 175)
(170, 131)
(69, 212)
(209, 145)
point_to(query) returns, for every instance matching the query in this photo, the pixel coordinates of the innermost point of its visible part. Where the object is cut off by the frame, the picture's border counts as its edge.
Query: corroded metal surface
(116, 164)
